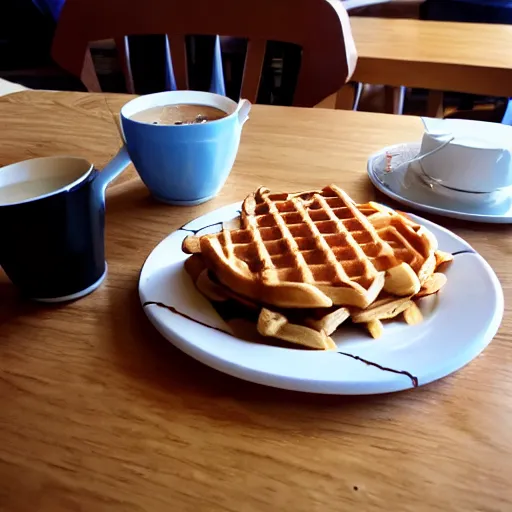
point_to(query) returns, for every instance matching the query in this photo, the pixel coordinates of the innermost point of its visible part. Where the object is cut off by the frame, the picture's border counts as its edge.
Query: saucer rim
(434, 210)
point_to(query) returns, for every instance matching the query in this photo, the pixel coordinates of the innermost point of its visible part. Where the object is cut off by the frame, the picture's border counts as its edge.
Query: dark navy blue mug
(52, 215)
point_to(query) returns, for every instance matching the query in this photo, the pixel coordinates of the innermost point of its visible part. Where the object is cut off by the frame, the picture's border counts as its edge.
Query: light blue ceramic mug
(184, 164)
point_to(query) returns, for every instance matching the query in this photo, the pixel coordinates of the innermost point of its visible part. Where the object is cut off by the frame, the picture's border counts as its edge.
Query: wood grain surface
(100, 413)
(463, 57)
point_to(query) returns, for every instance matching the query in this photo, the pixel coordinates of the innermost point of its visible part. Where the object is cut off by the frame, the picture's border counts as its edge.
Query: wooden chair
(320, 27)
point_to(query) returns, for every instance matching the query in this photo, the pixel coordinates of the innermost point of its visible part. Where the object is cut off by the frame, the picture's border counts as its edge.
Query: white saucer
(458, 324)
(405, 185)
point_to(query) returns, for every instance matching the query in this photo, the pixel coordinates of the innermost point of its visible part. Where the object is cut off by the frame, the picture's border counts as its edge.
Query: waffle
(313, 331)
(411, 243)
(277, 325)
(312, 328)
(392, 243)
(318, 249)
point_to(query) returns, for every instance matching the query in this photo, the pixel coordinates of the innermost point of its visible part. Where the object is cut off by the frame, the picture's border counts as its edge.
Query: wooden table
(462, 57)
(100, 413)
(442, 56)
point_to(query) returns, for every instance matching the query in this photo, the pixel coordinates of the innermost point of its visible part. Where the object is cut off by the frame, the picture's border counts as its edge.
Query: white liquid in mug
(18, 192)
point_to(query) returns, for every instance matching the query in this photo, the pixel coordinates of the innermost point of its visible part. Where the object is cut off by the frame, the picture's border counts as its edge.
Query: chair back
(319, 27)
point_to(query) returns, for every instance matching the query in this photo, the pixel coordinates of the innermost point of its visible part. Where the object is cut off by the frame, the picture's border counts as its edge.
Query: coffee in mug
(179, 114)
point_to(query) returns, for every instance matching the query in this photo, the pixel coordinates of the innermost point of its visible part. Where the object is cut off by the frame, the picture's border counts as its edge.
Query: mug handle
(242, 110)
(112, 170)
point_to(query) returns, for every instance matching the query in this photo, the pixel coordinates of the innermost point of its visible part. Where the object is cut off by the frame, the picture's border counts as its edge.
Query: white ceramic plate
(459, 323)
(491, 208)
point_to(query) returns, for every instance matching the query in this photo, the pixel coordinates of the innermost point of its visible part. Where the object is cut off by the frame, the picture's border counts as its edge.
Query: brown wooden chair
(320, 27)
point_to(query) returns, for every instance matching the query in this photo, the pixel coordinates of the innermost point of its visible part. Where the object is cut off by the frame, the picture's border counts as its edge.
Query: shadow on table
(129, 194)
(12, 305)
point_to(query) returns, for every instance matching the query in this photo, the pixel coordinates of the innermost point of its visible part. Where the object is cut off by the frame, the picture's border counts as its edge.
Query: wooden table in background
(100, 413)
(443, 56)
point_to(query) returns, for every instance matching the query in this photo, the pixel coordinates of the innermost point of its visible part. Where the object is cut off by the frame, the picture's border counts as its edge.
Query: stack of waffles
(308, 262)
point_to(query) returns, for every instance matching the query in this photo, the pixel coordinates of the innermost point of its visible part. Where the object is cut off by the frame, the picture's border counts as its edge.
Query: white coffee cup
(470, 156)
